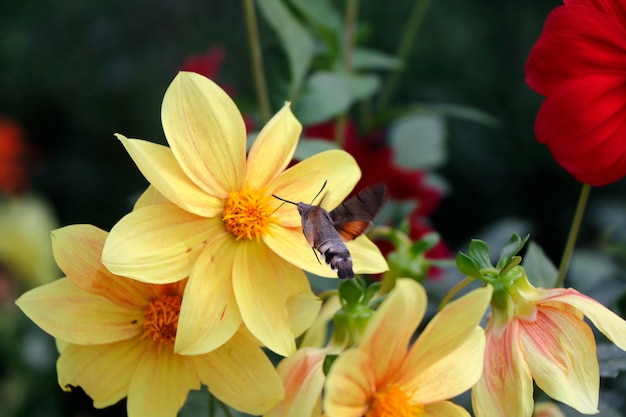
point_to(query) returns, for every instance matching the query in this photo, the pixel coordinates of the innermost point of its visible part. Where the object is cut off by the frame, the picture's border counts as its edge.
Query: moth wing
(351, 230)
(356, 214)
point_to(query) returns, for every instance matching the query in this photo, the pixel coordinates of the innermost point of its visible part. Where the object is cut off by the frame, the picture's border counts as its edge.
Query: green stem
(256, 56)
(211, 405)
(573, 234)
(454, 291)
(404, 48)
(352, 9)
(225, 409)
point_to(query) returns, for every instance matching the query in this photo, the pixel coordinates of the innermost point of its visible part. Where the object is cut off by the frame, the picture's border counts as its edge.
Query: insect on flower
(326, 232)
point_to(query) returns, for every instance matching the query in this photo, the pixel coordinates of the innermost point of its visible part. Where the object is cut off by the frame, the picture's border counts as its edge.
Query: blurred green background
(74, 73)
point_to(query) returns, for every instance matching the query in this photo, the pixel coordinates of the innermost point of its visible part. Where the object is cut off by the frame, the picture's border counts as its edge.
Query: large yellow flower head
(120, 336)
(540, 334)
(243, 251)
(381, 378)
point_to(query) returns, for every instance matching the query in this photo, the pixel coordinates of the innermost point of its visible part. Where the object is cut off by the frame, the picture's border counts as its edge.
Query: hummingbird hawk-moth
(326, 232)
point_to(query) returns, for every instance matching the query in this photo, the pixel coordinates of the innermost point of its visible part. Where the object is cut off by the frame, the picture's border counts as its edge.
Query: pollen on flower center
(162, 319)
(248, 213)
(394, 402)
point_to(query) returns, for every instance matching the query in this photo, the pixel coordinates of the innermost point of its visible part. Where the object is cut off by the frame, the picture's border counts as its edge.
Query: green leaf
(479, 251)
(309, 147)
(539, 268)
(460, 112)
(419, 141)
(326, 94)
(467, 265)
(319, 13)
(363, 86)
(297, 42)
(510, 248)
(369, 59)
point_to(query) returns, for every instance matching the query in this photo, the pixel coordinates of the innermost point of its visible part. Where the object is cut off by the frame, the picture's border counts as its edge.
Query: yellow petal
(451, 375)
(389, 331)
(366, 257)
(552, 345)
(78, 249)
(160, 383)
(303, 378)
(444, 409)
(263, 283)
(209, 315)
(74, 315)
(302, 308)
(206, 133)
(157, 163)
(447, 330)
(104, 372)
(609, 323)
(289, 243)
(317, 333)
(506, 384)
(158, 244)
(239, 374)
(150, 197)
(273, 148)
(304, 180)
(350, 385)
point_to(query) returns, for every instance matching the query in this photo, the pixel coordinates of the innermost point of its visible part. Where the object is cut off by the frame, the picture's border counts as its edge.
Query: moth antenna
(283, 200)
(320, 192)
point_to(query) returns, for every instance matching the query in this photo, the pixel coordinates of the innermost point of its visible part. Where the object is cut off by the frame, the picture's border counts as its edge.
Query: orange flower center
(248, 213)
(394, 401)
(162, 319)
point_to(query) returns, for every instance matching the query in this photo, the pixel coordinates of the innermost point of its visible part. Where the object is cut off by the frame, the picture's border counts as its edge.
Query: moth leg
(316, 257)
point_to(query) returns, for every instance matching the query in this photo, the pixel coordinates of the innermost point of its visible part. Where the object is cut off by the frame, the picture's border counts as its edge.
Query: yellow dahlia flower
(380, 378)
(241, 249)
(121, 335)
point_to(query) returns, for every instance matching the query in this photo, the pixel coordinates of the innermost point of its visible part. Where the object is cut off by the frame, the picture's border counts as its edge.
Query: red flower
(207, 63)
(579, 64)
(13, 155)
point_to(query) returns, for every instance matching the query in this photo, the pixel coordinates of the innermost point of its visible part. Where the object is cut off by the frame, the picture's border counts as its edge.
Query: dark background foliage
(74, 73)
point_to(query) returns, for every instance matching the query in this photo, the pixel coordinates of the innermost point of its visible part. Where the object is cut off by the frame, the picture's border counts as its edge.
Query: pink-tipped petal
(552, 346)
(506, 387)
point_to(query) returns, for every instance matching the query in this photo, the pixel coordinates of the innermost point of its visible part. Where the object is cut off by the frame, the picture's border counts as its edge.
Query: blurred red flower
(13, 154)
(207, 63)
(579, 64)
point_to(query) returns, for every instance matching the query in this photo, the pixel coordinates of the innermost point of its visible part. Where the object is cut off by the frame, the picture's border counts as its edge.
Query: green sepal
(467, 265)
(328, 362)
(510, 249)
(479, 251)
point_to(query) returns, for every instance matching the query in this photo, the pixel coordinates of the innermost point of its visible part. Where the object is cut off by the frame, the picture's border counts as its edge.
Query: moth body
(326, 232)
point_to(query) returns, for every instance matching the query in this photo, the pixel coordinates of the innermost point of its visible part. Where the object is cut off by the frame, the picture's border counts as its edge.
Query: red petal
(575, 40)
(583, 123)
